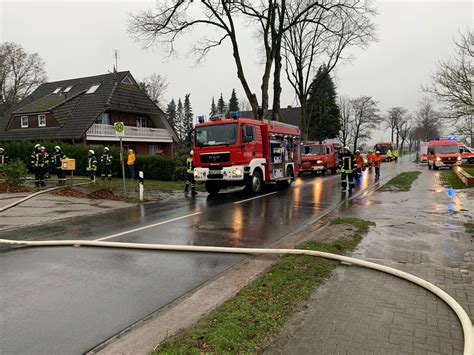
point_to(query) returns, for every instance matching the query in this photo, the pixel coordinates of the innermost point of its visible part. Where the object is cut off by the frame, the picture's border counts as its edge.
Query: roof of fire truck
(273, 126)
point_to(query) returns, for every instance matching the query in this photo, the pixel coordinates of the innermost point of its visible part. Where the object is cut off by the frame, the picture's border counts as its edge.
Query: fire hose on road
(466, 323)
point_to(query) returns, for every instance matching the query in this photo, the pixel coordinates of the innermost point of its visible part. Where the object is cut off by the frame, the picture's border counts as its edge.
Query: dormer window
(127, 80)
(142, 122)
(67, 89)
(41, 120)
(24, 121)
(57, 90)
(93, 89)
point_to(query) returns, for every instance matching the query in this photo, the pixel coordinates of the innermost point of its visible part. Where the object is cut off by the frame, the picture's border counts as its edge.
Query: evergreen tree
(213, 108)
(233, 102)
(171, 114)
(188, 116)
(180, 120)
(325, 120)
(221, 106)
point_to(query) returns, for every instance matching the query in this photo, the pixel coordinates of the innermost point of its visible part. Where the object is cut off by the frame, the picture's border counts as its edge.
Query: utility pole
(116, 54)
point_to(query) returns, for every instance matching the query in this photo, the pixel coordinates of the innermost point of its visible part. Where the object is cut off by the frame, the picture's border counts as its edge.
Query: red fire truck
(245, 152)
(467, 153)
(319, 157)
(383, 148)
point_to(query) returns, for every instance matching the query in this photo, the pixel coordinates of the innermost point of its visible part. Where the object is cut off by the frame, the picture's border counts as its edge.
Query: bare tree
(346, 115)
(155, 87)
(320, 41)
(395, 119)
(365, 118)
(428, 121)
(244, 104)
(452, 83)
(404, 130)
(173, 19)
(20, 74)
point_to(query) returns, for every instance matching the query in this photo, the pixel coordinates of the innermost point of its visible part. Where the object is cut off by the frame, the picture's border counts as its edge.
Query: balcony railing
(107, 132)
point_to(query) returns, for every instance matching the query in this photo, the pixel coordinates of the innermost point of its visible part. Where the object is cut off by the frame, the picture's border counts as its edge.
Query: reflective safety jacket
(189, 165)
(106, 159)
(91, 163)
(359, 160)
(56, 159)
(347, 163)
(377, 159)
(389, 153)
(396, 153)
(38, 160)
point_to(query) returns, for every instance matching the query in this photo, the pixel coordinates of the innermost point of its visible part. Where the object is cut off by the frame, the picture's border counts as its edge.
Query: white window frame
(21, 121)
(57, 90)
(93, 89)
(39, 120)
(140, 120)
(67, 89)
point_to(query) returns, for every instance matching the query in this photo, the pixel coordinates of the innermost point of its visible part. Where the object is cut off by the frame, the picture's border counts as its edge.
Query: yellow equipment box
(68, 164)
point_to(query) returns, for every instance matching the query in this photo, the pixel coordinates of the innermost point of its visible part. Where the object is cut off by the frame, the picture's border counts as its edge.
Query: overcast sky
(77, 38)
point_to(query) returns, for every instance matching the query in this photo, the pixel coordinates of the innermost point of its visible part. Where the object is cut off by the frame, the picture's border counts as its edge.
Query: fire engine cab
(245, 152)
(319, 157)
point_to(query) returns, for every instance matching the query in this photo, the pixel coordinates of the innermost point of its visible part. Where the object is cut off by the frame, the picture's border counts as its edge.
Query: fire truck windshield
(311, 150)
(446, 149)
(219, 134)
(383, 148)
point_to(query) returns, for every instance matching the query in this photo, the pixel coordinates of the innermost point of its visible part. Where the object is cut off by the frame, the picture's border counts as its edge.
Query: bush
(15, 172)
(180, 173)
(155, 167)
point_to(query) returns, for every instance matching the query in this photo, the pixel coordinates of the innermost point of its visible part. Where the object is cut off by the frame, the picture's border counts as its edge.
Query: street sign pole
(120, 132)
(123, 168)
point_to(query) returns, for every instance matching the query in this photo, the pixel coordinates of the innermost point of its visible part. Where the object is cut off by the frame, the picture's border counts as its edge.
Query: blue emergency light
(235, 115)
(452, 138)
(201, 119)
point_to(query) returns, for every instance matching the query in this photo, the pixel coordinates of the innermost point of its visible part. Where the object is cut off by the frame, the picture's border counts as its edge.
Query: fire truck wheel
(212, 187)
(283, 184)
(256, 183)
(470, 160)
(324, 171)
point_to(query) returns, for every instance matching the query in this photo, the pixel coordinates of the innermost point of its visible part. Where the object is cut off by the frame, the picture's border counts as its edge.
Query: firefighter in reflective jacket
(37, 165)
(190, 174)
(56, 158)
(360, 164)
(3, 157)
(347, 165)
(377, 163)
(92, 164)
(106, 163)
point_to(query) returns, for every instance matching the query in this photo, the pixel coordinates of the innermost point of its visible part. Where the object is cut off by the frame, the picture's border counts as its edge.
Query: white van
(423, 152)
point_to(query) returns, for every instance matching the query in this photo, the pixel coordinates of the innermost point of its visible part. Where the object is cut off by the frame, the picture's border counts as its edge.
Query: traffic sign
(119, 129)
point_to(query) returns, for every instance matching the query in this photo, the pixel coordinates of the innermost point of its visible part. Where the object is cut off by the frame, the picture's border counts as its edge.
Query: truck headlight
(319, 161)
(238, 172)
(438, 159)
(195, 173)
(459, 158)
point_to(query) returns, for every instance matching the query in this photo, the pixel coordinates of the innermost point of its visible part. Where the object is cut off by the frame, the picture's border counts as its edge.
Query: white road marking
(253, 198)
(149, 226)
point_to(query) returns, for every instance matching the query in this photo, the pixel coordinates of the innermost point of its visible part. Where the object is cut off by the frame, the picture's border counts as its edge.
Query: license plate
(215, 172)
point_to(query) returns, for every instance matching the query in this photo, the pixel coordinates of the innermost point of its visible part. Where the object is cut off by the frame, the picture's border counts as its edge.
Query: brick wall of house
(129, 119)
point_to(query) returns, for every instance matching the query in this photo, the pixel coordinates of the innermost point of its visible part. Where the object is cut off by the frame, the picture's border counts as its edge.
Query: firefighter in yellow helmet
(190, 174)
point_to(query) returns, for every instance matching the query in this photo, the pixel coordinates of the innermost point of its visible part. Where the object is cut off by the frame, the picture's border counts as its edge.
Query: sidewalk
(360, 311)
(46, 208)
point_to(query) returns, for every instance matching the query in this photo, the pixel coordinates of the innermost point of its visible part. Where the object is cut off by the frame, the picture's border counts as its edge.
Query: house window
(127, 80)
(142, 122)
(41, 120)
(93, 89)
(57, 90)
(67, 89)
(103, 119)
(24, 121)
(154, 149)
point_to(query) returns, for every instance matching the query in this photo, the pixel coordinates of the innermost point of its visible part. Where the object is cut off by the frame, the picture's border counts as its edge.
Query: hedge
(155, 167)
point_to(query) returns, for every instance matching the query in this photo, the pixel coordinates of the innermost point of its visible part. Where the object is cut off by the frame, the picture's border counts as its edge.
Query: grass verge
(401, 182)
(449, 178)
(249, 321)
(469, 170)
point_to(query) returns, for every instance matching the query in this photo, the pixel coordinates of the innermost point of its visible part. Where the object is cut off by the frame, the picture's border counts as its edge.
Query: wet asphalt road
(68, 300)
